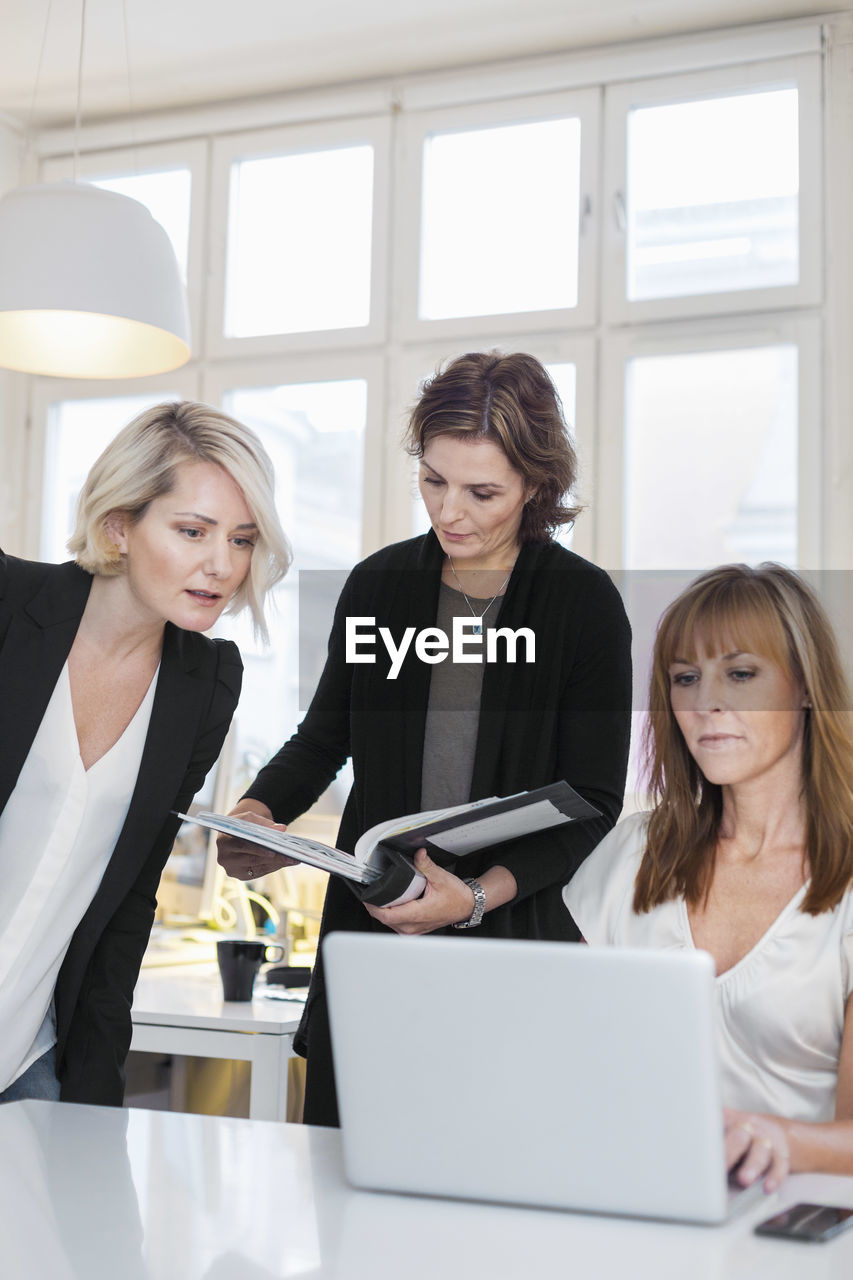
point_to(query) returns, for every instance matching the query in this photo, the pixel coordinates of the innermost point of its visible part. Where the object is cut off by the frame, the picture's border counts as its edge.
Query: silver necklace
(477, 629)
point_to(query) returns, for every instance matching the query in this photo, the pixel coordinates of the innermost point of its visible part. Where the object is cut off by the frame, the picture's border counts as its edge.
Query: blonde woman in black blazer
(496, 465)
(176, 523)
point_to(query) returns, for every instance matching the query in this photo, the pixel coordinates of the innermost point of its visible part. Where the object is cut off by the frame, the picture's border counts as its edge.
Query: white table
(179, 1009)
(97, 1192)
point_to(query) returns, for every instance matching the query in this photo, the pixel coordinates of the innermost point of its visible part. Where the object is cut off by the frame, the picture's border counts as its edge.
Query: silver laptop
(534, 1073)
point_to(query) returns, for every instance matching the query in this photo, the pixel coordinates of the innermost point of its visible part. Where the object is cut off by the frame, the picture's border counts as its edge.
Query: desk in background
(97, 1192)
(179, 1010)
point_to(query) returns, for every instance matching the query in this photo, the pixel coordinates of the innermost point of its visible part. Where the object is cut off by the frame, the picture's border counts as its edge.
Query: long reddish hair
(771, 612)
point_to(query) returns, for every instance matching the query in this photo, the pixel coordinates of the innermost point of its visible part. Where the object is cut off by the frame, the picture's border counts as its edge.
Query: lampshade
(89, 285)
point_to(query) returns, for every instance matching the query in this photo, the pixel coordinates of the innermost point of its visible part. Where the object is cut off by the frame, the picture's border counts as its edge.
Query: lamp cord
(131, 110)
(79, 89)
(28, 132)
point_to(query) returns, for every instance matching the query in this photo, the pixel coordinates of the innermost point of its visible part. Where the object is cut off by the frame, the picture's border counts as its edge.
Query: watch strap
(479, 906)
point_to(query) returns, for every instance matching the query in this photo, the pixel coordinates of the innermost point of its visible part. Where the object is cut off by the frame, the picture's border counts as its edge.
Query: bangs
(727, 617)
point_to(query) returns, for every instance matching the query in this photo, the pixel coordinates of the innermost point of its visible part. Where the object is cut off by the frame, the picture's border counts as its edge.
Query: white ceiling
(194, 51)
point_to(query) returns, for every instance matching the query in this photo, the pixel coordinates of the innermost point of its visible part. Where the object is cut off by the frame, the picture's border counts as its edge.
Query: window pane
(299, 241)
(500, 220)
(712, 195)
(77, 432)
(314, 433)
(711, 458)
(166, 196)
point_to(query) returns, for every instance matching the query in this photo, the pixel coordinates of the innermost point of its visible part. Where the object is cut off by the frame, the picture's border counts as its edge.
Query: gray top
(453, 713)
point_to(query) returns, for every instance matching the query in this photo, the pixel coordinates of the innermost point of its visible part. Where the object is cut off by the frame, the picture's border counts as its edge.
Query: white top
(781, 1008)
(57, 833)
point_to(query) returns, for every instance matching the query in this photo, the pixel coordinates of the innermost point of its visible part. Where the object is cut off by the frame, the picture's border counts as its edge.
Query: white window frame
(244, 375)
(415, 128)
(49, 391)
(374, 131)
(620, 99)
(155, 158)
(717, 62)
(804, 332)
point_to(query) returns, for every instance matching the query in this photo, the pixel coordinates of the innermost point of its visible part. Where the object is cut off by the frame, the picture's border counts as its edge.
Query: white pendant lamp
(89, 285)
(89, 282)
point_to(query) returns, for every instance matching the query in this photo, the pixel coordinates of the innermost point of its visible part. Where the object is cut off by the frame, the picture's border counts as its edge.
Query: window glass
(713, 195)
(77, 432)
(314, 434)
(299, 242)
(166, 195)
(499, 220)
(711, 458)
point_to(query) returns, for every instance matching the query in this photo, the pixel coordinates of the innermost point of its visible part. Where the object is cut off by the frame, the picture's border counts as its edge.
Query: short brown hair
(769, 611)
(510, 400)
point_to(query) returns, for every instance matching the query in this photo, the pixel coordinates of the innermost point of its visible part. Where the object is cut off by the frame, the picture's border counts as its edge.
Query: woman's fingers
(737, 1139)
(776, 1171)
(445, 900)
(756, 1147)
(245, 860)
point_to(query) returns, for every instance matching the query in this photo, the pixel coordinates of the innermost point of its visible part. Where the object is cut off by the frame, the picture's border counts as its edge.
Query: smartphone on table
(809, 1222)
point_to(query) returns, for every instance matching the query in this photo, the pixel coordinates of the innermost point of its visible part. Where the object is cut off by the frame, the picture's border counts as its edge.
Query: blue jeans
(38, 1081)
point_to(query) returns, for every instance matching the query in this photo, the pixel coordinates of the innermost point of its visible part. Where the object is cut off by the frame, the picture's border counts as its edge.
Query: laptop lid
(550, 1074)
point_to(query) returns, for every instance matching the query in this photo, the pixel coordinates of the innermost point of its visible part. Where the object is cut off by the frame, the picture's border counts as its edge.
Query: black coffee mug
(239, 960)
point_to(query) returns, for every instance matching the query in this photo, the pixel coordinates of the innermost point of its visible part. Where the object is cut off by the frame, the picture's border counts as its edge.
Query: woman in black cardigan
(495, 465)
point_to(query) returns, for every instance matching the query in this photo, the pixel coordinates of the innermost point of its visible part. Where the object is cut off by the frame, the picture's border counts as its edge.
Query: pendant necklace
(477, 629)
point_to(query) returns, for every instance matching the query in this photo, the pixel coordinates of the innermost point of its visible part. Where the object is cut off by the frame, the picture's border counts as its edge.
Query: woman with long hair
(748, 854)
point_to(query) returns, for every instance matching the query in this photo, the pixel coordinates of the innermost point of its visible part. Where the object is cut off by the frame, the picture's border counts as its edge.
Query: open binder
(381, 869)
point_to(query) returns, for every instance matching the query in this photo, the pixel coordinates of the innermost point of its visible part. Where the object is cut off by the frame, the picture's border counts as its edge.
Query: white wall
(12, 386)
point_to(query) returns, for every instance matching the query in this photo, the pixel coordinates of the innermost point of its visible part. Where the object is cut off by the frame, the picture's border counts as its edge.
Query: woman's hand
(758, 1146)
(445, 900)
(244, 860)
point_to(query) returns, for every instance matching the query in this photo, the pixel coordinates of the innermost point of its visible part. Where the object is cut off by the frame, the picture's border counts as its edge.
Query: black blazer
(197, 691)
(567, 715)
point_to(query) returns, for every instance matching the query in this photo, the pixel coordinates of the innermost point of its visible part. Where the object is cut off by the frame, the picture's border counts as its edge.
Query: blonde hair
(768, 611)
(139, 465)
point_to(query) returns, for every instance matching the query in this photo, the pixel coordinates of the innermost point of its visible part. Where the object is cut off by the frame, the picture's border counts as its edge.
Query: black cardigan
(565, 716)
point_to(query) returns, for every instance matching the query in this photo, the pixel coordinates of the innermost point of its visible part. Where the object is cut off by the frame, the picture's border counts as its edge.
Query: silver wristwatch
(479, 906)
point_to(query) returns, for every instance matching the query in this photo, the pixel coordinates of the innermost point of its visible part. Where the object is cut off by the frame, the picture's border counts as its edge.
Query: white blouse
(780, 1008)
(57, 833)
